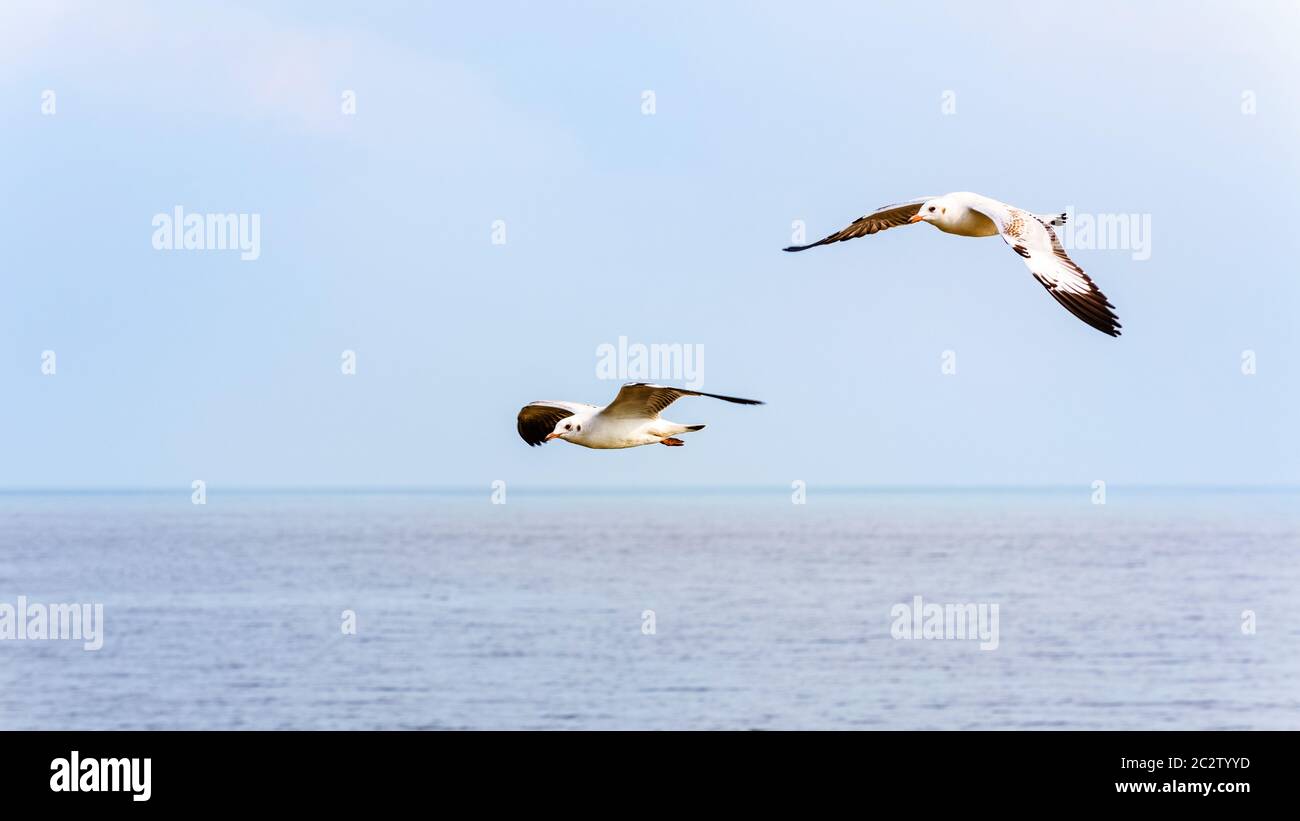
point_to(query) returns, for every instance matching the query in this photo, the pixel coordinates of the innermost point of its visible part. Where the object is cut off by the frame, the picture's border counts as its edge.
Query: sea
(745, 608)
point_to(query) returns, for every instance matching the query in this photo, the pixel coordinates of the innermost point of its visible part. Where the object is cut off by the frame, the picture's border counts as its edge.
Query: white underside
(967, 223)
(604, 433)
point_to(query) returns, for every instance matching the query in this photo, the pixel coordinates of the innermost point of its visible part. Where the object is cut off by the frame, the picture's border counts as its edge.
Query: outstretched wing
(538, 419)
(641, 400)
(889, 216)
(1035, 241)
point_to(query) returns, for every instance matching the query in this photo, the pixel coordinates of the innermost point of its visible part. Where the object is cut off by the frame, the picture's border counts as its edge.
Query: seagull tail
(1056, 220)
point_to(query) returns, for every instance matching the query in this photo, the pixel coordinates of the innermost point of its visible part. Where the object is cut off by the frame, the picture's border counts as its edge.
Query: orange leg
(672, 443)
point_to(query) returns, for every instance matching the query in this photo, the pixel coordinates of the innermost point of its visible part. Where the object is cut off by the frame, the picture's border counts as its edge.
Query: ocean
(693, 609)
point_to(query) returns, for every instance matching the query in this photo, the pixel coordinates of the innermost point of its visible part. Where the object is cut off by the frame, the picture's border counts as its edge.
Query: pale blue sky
(666, 228)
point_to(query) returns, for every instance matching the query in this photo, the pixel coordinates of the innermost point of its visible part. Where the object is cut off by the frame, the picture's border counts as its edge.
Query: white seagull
(632, 419)
(1029, 235)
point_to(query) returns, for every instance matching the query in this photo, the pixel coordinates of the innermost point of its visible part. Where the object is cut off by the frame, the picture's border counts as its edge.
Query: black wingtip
(734, 399)
(797, 248)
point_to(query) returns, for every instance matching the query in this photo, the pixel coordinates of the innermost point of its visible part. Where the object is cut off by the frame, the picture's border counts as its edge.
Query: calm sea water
(766, 614)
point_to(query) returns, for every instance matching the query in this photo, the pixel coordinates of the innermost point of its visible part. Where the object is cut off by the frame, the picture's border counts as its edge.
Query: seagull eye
(567, 427)
(931, 209)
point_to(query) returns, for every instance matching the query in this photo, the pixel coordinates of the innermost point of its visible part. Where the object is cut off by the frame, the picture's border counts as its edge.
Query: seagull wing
(889, 216)
(1036, 242)
(538, 419)
(641, 400)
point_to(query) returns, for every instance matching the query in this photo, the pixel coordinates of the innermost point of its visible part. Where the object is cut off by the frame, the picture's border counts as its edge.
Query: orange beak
(551, 436)
(916, 218)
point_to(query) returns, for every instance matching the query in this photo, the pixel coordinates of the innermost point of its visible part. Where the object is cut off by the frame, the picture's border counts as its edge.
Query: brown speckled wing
(890, 216)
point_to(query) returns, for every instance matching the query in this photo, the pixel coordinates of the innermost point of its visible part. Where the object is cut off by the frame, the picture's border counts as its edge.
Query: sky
(655, 218)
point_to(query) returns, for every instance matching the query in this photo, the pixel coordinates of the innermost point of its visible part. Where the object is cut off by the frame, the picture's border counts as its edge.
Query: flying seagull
(632, 419)
(1029, 235)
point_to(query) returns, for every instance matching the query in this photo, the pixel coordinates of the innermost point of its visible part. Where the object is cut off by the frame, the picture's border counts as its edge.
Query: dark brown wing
(538, 419)
(890, 216)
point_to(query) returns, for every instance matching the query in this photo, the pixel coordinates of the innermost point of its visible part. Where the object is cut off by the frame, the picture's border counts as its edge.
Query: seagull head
(932, 211)
(565, 429)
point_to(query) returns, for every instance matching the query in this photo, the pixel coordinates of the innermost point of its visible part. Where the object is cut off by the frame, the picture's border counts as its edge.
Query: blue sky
(664, 228)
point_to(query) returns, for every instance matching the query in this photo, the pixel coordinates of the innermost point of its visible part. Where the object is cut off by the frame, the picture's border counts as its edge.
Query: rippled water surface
(766, 614)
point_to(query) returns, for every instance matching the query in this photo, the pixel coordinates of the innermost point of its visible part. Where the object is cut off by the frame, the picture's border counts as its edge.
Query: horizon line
(432, 490)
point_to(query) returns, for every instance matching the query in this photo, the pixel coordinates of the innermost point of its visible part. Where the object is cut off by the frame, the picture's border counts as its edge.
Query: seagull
(632, 419)
(1029, 235)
